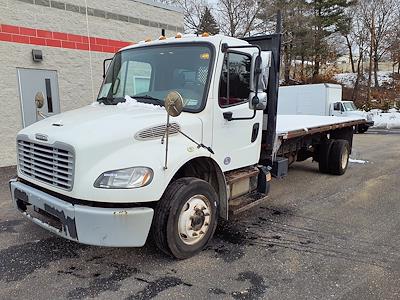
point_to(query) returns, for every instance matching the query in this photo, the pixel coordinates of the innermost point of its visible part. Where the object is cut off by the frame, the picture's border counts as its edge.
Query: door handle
(254, 133)
(228, 115)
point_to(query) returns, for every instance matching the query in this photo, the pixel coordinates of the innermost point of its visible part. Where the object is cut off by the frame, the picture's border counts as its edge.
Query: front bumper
(114, 227)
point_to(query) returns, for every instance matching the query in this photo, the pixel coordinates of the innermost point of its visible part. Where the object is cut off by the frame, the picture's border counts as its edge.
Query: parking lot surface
(315, 237)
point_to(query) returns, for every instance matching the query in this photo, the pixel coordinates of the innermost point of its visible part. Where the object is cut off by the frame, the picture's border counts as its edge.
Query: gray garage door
(32, 82)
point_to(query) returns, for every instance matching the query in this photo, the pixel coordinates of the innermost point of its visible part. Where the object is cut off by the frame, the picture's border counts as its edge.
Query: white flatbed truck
(184, 132)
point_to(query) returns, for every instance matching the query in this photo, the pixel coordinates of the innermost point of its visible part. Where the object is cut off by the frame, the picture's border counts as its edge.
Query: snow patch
(390, 120)
(299, 62)
(358, 161)
(96, 104)
(133, 103)
(349, 79)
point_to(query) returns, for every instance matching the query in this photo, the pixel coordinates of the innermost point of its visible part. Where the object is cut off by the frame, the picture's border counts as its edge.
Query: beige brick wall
(72, 66)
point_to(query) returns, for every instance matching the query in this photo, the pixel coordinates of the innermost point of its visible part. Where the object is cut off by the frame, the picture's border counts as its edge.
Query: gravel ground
(315, 237)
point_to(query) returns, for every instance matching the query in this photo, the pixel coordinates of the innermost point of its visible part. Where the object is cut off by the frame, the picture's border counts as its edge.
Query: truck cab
(348, 109)
(108, 161)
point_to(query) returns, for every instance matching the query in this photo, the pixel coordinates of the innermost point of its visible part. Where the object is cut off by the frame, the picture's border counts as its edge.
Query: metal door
(31, 82)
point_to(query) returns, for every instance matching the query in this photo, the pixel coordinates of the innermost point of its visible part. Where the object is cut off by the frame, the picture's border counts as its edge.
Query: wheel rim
(194, 219)
(345, 158)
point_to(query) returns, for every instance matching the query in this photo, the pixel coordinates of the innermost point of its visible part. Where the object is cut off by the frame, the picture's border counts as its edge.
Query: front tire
(185, 217)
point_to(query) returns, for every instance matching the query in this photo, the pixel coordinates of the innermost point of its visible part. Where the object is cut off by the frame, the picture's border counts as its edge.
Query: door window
(234, 86)
(337, 106)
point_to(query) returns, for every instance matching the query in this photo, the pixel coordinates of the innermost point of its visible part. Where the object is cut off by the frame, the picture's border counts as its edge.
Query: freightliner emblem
(41, 137)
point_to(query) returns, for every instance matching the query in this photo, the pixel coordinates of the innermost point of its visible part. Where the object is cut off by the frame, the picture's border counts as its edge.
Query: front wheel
(185, 217)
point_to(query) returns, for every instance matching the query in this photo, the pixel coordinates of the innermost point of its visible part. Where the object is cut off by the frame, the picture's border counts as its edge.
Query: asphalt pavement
(315, 237)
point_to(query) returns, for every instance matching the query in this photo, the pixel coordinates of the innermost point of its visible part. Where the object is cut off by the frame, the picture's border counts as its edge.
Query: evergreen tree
(208, 23)
(329, 16)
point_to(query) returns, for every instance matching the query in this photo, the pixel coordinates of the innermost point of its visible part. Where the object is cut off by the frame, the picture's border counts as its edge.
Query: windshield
(349, 106)
(147, 74)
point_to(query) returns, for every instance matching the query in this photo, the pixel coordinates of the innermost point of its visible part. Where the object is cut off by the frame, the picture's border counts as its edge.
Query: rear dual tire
(334, 157)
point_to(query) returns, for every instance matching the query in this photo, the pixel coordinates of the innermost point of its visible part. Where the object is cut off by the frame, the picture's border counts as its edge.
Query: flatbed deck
(291, 126)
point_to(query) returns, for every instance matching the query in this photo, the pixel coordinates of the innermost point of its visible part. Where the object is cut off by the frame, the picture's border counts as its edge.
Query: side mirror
(173, 103)
(259, 101)
(259, 80)
(254, 81)
(105, 67)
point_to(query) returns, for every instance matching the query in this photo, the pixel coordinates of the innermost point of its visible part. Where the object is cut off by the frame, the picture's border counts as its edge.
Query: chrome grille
(52, 164)
(156, 132)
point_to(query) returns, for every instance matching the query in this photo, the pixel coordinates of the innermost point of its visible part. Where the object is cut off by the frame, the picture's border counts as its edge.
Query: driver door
(236, 143)
(337, 109)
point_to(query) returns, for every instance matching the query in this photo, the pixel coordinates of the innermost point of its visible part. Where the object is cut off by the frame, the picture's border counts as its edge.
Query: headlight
(125, 178)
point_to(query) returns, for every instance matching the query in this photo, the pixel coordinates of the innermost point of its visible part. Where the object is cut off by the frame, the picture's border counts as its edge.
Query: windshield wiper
(105, 100)
(151, 98)
(110, 100)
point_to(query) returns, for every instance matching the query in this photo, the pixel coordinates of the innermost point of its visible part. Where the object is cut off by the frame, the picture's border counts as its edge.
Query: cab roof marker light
(205, 34)
(147, 40)
(162, 37)
(178, 35)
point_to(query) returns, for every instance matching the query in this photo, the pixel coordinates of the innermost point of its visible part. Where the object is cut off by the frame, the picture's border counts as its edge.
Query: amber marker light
(205, 56)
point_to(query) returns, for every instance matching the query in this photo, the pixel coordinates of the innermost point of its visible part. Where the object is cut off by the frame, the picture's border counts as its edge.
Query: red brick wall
(24, 35)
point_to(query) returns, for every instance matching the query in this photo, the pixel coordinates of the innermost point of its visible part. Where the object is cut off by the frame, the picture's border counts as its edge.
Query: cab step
(240, 204)
(241, 182)
(238, 175)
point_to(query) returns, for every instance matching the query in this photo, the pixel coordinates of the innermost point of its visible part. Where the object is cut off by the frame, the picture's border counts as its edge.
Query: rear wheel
(185, 218)
(323, 155)
(339, 157)
(362, 129)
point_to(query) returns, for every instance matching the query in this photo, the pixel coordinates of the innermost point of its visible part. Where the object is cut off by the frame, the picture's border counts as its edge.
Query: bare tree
(238, 18)
(379, 17)
(359, 38)
(347, 30)
(297, 36)
(394, 48)
(192, 12)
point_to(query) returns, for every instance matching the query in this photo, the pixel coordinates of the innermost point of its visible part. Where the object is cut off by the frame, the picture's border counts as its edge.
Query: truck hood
(357, 113)
(99, 124)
